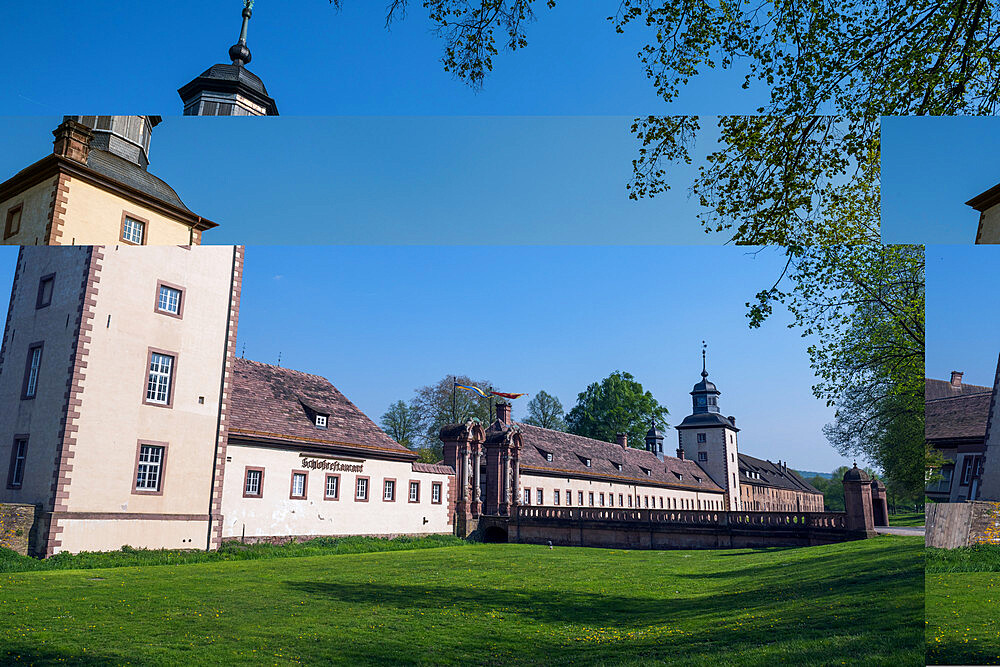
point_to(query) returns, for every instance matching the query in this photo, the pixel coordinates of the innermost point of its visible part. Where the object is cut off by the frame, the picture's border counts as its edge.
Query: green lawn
(906, 519)
(963, 618)
(853, 603)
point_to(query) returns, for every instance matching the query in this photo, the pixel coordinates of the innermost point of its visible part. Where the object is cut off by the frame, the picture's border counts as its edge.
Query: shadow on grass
(950, 652)
(22, 653)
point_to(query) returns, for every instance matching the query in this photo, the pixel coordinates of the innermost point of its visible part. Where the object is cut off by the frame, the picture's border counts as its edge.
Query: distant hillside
(805, 474)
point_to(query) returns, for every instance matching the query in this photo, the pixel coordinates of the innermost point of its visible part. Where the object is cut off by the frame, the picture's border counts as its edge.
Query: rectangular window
(13, 223)
(18, 456)
(630, 500)
(555, 497)
(133, 230)
(541, 497)
(579, 498)
(169, 299)
(661, 502)
(45, 286)
(299, 479)
(548, 456)
(967, 470)
(611, 500)
(569, 497)
(702, 456)
(332, 490)
(31, 369)
(621, 500)
(161, 370)
(149, 470)
(389, 490)
(590, 497)
(436, 493)
(253, 485)
(361, 489)
(527, 496)
(414, 492)
(601, 500)
(701, 438)
(321, 421)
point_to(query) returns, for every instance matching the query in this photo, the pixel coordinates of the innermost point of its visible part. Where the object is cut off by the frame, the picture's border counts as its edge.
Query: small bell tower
(230, 90)
(709, 439)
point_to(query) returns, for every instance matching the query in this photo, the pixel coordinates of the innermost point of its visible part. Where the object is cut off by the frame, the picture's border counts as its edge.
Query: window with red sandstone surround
(414, 492)
(13, 223)
(555, 497)
(133, 230)
(160, 367)
(389, 490)
(169, 299)
(150, 467)
(300, 479)
(436, 493)
(32, 367)
(541, 496)
(253, 483)
(45, 286)
(18, 458)
(361, 490)
(527, 496)
(579, 498)
(590, 497)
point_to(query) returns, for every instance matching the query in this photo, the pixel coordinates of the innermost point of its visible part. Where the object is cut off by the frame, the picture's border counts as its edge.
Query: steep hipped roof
(271, 403)
(944, 389)
(569, 454)
(957, 418)
(772, 475)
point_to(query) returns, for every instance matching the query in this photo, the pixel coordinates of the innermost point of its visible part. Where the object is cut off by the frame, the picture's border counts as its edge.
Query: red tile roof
(433, 467)
(570, 451)
(273, 403)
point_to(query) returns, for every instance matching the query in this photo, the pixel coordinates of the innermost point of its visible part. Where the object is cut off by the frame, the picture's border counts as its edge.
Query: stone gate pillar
(459, 440)
(858, 503)
(880, 504)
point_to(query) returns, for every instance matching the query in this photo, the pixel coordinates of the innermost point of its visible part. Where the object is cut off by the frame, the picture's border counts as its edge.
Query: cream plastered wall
(35, 210)
(276, 514)
(113, 416)
(94, 216)
(39, 417)
(721, 447)
(674, 498)
(110, 535)
(767, 499)
(989, 223)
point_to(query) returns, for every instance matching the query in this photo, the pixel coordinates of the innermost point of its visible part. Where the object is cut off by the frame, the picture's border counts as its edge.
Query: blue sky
(381, 321)
(963, 323)
(314, 60)
(390, 180)
(931, 166)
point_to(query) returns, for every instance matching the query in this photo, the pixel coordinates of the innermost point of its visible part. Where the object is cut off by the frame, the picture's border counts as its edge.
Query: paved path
(912, 531)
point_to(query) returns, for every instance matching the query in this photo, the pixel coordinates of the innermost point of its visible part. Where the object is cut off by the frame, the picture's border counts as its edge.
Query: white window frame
(149, 471)
(20, 459)
(527, 496)
(436, 493)
(253, 475)
(388, 490)
(321, 421)
(579, 498)
(159, 380)
(34, 366)
(298, 485)
(540, 496)
(414, 492)
(361, 489)
(168, 300)
(555, 497)
(133, 231)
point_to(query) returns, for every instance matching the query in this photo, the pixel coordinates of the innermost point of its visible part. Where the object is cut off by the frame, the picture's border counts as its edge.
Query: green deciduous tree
(546, 411)
(616, 404)
(403, 423)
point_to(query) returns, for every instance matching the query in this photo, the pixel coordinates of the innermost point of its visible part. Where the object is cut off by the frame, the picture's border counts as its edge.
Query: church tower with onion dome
(229, 90)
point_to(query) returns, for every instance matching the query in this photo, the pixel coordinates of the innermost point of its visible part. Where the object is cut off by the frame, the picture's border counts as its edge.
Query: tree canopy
(546, 411)
(616, 404)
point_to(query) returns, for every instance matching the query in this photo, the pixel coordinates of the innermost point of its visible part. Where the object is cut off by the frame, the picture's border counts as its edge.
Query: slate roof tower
(229, 90)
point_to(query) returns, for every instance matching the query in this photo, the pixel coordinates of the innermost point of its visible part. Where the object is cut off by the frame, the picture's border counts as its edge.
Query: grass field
(904, 519)
(856, 603)
(963, 618)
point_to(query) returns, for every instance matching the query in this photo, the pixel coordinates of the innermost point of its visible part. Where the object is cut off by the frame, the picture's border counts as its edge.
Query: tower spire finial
(704, 373)
(238, 52)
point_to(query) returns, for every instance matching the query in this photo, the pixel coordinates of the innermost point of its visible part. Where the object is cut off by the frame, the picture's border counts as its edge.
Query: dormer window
(646, 470)
(586, 462)
(321, 421)
(617, 465)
